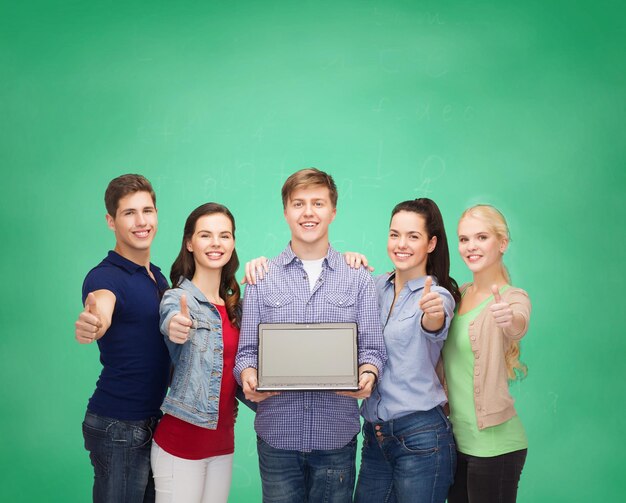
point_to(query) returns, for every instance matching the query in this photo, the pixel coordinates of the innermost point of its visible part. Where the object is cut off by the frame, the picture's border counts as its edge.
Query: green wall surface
(517, 104)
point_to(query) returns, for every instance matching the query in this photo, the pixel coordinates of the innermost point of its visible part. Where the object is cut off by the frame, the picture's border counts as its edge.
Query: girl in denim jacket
(192, 452)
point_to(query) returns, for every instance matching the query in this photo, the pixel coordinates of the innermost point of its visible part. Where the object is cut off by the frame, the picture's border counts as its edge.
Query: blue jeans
(316, 476)
(120, 455)
(409, 459)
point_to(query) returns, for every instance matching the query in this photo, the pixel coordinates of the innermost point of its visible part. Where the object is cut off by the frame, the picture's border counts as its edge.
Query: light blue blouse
(409, 383)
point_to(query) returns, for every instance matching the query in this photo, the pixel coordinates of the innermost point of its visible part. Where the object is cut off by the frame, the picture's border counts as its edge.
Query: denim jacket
(194, 394)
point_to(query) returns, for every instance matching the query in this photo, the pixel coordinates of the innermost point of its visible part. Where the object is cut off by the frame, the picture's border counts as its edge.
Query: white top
(313, 270)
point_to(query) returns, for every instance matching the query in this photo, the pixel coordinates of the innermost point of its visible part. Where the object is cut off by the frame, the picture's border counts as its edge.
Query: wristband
(373, 373)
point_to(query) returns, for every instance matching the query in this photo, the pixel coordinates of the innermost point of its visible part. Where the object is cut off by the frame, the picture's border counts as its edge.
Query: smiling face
(408, 244)
(212, 242)
(309, 212)
(135, 225)
(480, 247)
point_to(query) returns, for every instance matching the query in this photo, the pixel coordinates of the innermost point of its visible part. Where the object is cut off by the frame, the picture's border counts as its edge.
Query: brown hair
(309, 177)
(438, 261)
(185, 266)
(122, 186)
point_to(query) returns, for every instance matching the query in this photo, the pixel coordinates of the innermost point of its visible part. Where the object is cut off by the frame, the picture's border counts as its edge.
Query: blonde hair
(497, 224)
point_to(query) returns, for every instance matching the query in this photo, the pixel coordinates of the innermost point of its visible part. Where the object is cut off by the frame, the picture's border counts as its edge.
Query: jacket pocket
(202, 334)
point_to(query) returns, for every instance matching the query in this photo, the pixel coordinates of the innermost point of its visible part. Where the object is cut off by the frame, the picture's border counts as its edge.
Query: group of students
(435, 360)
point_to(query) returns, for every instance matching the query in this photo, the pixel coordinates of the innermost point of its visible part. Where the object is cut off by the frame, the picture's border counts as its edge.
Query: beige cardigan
(492, 400)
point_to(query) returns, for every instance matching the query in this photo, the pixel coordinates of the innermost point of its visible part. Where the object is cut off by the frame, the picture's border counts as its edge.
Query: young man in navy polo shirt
(121, 297)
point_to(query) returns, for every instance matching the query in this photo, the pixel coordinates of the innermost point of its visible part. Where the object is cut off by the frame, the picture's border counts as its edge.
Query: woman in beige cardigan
(480, 357)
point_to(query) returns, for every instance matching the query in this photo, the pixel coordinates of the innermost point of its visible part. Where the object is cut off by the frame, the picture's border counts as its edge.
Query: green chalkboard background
(519, 104)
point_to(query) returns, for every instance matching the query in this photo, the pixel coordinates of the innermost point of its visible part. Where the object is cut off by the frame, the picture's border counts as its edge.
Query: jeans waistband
(414, 420)
(150, 422)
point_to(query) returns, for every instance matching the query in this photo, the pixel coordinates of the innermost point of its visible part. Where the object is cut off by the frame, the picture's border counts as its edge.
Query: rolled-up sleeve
(370, 337)
(170, 306)
(247, 352)
(448, 307)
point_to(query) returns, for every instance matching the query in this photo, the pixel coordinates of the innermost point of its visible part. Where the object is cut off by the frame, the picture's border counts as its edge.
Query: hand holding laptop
(250, 383)
(368, 376)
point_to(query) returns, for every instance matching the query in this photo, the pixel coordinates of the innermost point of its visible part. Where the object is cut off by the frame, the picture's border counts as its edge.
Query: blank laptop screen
(315, 356)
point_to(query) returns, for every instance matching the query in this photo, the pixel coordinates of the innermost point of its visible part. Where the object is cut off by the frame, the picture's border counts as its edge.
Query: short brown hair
(309, 177)
(122, 186)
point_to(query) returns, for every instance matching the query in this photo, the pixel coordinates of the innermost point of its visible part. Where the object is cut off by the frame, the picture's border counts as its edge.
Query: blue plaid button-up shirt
(310, 420)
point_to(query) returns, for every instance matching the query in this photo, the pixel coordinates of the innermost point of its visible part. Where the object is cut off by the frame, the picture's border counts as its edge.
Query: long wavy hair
(438, 262)
(185, 266)
(496, 223)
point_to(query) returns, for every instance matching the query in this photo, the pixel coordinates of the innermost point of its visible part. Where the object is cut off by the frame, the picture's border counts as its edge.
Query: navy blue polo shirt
(134, 357)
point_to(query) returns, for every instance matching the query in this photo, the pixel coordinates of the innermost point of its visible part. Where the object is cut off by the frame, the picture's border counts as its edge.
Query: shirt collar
(186, 284)
(331, 259)
(413, 284)
(128, 265)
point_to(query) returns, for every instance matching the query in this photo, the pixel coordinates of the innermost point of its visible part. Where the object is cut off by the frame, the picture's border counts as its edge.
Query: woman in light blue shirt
(408, 448)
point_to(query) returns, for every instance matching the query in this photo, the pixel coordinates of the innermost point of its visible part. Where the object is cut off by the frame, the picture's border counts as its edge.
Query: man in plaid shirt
(307, 440)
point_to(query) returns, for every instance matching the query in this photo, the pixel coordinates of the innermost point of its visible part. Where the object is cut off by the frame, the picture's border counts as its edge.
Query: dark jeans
(316, 476)
(407, 460)
(487, 480)
(120, 455)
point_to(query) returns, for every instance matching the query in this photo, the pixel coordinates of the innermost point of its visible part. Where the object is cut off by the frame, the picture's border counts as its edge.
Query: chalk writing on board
(436, 65)
(389, 60)
(266, 123)
(338, 60)
(447, 112)
(240, 175)
(346, 189)
(423, 112)
(379, 107)
(433, 168)
(469, 113)
(209, 187)
(281, 174)
(376, 181)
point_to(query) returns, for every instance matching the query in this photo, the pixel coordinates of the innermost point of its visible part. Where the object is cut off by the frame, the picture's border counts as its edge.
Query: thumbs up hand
(500, 309)
(89, 321)
(180, 324)
(431, 304)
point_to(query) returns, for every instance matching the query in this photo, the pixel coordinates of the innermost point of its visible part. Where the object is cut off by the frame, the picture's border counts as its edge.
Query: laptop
(308, 357)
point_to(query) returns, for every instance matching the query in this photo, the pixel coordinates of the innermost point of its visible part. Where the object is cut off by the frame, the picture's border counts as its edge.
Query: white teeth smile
(308, 225)
(214, 254)
(141, 234)
(403, 255)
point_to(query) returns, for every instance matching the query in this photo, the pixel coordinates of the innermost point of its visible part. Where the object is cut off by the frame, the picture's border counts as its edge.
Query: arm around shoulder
(370, 337)
(247, 351)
